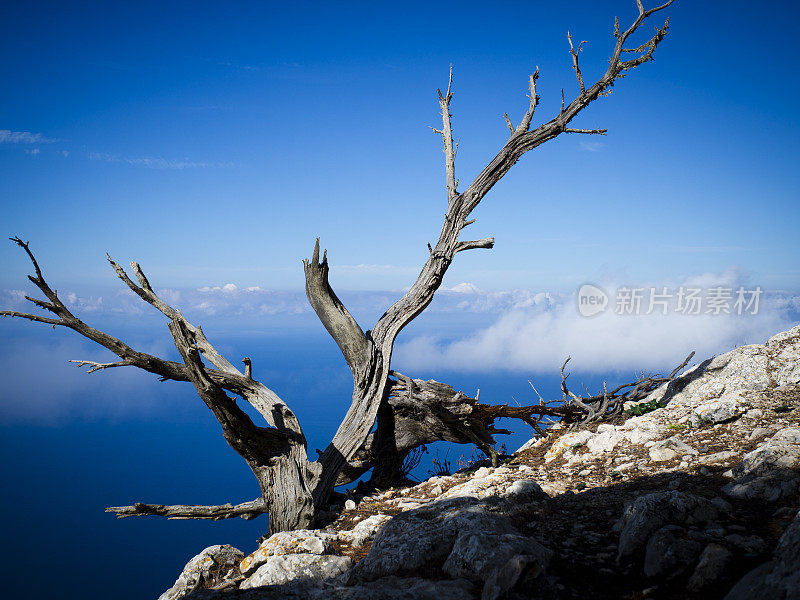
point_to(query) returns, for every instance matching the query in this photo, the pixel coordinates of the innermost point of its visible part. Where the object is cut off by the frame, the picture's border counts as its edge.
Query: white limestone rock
(643, 429)
(525, 489)
(717, 458)
(669, 449)
(723, 409)
(301, 541)
(566, 442)
(425, 537)
(365, 531)
(476, 555)
(279, 570)
(771, 471)
(213, 564)
(605, 440)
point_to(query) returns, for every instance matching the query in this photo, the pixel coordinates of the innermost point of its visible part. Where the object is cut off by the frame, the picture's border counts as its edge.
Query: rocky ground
(696, 497)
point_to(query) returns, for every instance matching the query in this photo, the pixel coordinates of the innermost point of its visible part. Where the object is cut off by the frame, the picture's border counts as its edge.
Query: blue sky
(214, 143)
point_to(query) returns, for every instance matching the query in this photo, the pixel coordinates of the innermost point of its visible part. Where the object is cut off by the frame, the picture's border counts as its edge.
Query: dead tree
(408, 412)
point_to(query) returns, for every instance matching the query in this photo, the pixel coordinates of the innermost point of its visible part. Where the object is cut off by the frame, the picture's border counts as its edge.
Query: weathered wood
(245, 510)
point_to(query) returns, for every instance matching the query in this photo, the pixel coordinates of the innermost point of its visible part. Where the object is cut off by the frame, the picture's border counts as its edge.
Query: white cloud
(592, 146)
(464, 288)
(155, 162)
(33, 151)
(23, 137)
(538, 335)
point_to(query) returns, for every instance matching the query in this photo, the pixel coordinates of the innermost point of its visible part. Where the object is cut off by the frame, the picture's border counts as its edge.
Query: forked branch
(333, 314)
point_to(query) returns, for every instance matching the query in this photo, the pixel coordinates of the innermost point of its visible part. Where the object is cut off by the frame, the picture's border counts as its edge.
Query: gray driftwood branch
(245, 510)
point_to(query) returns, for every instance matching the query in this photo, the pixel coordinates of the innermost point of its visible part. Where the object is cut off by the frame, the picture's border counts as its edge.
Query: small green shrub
(641, 409)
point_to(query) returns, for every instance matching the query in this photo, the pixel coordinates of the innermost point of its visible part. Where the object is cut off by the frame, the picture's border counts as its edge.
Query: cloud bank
(516, 330)
(536, 333)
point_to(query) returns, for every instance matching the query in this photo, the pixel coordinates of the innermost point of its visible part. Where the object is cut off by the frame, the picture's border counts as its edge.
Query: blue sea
(73, 444)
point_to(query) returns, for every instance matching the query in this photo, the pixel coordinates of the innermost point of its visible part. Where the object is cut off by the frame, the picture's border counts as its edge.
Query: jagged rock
(717, 458)
(723, 409)
(461, 525)
(760, 433)
(778, 579)
(711, 568)
(425, 537)
(278, 570)
(752, 544)
(478, 555)
(526, 489)
(769, 472)
(365, 531)
(212, 565)
(669, 449)
(301, 541)
(565, 442)
(505, 578)
(485, 483)
(605, 440)
(744, 369)
(648, 513)
(669, 552)
(643, 429)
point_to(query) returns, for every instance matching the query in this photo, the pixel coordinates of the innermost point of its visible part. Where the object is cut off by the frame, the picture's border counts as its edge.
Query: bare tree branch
(525, 124)
(447, 139)
(245, 510)
(574, 53)
(145, 292)
(521, 141)
(334, 316)
(487, 243)
(30, 317)
(255, 444)
(95, 366)
(591, 131)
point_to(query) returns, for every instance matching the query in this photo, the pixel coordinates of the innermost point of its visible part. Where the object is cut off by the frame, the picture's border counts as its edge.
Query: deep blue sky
(213, 142)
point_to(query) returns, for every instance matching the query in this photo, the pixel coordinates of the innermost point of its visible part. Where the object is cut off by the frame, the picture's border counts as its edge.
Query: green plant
(638, 410)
